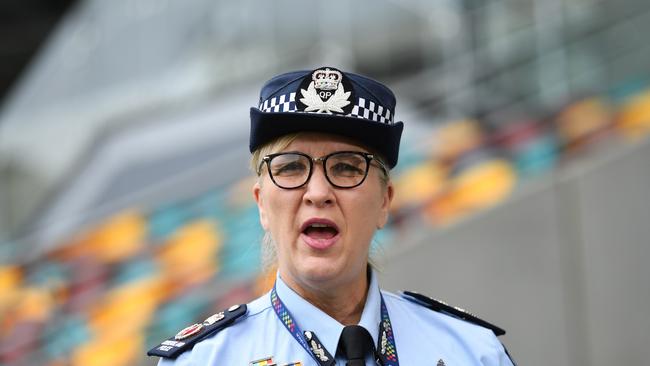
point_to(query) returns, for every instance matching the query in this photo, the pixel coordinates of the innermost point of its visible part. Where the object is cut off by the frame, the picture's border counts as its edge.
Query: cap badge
(325, 93)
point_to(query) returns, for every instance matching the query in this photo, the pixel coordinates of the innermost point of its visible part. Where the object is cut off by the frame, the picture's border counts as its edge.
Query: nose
(318, 191)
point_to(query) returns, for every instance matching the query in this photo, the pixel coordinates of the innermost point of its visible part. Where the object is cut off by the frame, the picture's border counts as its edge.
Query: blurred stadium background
(125, 206)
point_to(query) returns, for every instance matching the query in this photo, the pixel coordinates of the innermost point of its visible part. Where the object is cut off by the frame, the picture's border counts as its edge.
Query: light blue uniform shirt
(422, 336)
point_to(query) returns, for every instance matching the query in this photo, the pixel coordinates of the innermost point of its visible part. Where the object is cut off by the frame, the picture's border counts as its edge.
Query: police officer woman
(323, 142)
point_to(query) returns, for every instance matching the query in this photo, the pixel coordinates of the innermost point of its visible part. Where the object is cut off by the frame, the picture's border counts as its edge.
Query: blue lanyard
(386, 352)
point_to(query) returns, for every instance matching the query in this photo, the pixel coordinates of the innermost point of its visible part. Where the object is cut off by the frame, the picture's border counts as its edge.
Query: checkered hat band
(363, 109)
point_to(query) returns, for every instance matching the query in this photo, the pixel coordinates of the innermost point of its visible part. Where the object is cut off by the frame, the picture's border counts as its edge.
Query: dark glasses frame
(367, 156)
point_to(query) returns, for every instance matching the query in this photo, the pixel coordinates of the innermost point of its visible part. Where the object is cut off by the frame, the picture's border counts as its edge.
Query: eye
(288, 166)
(345, 169)
(347, 165)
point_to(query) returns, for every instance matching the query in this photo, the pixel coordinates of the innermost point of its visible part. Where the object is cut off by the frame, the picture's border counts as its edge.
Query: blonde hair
(271, 147)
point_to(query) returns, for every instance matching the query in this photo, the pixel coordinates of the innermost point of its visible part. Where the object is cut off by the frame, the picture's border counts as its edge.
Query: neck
(343, 302)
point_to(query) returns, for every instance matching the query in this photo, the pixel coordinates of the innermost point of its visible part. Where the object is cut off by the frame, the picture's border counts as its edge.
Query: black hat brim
(383, 138)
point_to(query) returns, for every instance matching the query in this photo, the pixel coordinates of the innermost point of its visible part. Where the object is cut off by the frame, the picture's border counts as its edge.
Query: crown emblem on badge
(326, 79)
(325, 93)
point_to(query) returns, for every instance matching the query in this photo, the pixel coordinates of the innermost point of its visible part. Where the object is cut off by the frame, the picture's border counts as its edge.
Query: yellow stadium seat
(126, 309)
(119, 237)
(34, 305)
(583, 122)
(479, 187)
(117, 351)
(11, 277)
(456, 138)
(190, 255)
(419, 184)
(634, 117)
(485, 185)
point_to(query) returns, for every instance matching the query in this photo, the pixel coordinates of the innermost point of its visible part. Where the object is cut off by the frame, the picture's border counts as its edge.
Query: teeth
(319, 225)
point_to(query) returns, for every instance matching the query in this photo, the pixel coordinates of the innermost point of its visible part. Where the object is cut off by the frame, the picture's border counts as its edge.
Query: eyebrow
(333, 152)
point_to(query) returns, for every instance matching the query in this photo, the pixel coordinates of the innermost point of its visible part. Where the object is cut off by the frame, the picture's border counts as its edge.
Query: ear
(260, 206)
(385, 205)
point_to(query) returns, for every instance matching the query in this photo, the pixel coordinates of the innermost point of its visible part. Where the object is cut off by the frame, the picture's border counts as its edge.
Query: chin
(320, 269)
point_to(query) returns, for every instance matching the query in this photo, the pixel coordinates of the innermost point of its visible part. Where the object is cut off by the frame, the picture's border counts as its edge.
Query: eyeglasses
(343, 169)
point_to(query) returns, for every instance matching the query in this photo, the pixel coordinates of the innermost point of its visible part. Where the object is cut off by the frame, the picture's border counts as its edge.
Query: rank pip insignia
(214, 318)
(327, 91)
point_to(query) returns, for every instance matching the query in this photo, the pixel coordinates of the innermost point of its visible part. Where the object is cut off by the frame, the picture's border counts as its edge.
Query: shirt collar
(327, 329)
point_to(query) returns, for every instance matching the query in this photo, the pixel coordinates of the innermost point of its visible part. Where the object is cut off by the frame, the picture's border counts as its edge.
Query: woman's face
(323, 233)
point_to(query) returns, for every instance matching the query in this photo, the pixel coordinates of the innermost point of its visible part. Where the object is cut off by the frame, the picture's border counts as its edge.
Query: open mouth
(320, 231)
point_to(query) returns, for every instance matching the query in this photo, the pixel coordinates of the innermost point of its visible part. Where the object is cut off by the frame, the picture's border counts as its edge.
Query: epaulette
(188, 337)
(453, 311)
